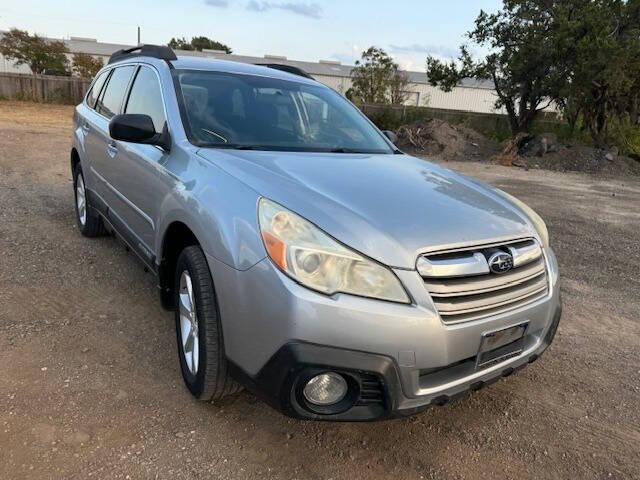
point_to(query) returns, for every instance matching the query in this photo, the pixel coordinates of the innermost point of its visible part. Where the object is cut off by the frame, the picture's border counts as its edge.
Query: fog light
(325, 389)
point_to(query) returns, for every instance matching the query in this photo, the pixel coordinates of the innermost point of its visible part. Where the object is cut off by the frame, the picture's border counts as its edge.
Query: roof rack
(286, 68)
(155, 51)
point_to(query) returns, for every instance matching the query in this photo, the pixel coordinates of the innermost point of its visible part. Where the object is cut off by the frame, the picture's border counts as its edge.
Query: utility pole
(138, 34)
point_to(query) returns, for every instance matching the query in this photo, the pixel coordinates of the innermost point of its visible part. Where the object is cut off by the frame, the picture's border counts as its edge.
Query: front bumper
(277, 331)
(278, 382)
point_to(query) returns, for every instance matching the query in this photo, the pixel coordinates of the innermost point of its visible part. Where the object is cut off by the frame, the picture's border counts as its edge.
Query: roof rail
(286, 68)
(155, 51)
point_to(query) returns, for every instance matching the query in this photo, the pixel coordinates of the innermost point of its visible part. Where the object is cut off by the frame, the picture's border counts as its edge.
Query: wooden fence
(42, 88)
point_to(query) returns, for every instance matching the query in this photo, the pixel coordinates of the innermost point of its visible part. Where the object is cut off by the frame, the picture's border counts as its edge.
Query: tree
(85, 65)
(198, 43)
(398, 84)
(372, 76)
(582, 55)
(41, 55)
(180, 44)
(603, 64)
(525, 68)
(204, 43)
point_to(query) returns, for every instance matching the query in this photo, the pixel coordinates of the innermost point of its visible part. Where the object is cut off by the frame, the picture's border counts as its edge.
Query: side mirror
(138, 128)
(391, 136)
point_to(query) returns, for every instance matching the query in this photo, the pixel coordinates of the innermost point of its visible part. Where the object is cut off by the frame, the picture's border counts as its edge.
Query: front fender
(220, 211)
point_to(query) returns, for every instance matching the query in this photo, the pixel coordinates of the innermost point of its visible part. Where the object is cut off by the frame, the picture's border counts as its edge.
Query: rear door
(90, 125)
(104, 150)
(138, 169)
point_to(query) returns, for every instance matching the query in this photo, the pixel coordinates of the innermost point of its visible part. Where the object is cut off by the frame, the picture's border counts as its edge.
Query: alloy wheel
(189, 323)
(81, 200)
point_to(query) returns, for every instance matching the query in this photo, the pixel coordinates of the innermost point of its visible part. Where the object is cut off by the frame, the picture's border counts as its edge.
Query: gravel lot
(90, 385)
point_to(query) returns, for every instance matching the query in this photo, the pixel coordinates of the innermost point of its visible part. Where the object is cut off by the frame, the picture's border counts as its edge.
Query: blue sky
(302, 30)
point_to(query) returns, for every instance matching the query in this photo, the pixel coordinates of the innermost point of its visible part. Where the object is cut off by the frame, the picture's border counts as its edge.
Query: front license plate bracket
(500, 345)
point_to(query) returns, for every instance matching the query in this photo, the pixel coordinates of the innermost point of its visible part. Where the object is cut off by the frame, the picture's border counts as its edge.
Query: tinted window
(111, 100)
(146, 98)
(249, 111)
(92, 96)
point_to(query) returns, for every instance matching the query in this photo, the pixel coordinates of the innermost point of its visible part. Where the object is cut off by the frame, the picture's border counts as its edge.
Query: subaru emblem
(500, 262)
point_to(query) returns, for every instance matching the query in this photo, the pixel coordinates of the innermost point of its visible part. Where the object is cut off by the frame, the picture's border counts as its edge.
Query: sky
(311, 30)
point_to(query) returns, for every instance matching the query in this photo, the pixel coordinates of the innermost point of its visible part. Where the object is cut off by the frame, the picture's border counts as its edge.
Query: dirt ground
(90, 385)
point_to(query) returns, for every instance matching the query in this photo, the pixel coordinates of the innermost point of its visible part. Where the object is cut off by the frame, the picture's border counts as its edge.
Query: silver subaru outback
(306, 258)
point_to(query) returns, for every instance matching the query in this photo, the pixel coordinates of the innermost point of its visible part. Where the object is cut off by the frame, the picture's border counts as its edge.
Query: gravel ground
(90, 385)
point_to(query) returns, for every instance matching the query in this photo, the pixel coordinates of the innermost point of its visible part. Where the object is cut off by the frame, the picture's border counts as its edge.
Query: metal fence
(42, 88)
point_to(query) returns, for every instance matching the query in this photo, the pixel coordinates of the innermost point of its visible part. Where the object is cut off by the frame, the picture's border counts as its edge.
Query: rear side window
(111, 99)
(145, 97)
(93, 94)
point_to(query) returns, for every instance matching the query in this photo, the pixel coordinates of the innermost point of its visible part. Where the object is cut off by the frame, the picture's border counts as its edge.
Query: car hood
(388, 207)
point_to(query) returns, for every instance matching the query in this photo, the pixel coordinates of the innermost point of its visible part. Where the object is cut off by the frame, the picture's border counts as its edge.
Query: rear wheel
(198, 329)
(89, 223)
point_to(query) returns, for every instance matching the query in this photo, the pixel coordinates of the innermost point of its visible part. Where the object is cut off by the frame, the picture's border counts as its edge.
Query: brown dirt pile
(445, 141)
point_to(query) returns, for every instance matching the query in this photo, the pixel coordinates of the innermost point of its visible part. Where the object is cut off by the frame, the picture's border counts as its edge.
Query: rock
(610, 157)
(539, 145)
(289, 436)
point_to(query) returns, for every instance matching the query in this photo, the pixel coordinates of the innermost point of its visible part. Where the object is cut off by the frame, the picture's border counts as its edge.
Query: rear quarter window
(96, 88)
(110, 101)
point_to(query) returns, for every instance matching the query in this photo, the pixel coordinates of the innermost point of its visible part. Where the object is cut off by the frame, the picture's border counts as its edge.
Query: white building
(470, 95)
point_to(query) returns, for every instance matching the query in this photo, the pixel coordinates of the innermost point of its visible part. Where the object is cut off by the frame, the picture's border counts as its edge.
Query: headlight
(536, 219)
(317, 261)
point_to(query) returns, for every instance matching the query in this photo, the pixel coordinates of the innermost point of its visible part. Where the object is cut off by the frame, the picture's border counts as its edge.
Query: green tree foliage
(85, 65)
(373, 76)
(198, 43)
(40, 55)
(521, 62)
(601, 42)
(180, 44)
(582, 55)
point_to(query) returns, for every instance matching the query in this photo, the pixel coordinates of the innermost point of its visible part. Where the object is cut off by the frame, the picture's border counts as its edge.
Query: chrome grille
(464, 288)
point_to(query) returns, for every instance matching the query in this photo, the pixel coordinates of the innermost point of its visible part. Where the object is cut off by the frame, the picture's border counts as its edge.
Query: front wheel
(198, 329)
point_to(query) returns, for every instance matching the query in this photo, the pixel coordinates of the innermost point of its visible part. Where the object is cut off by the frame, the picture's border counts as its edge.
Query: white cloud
(441, 51)
(311, 10)
(217, 3)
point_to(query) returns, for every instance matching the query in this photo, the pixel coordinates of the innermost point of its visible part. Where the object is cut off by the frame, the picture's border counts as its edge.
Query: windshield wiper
(231, 146)
(345, 150)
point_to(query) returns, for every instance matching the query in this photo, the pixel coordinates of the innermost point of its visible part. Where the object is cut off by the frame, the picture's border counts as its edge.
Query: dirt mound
(579, 158)
(440, 139)
(544, 151)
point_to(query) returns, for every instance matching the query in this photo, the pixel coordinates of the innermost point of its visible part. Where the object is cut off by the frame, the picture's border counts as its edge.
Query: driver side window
(146, 98)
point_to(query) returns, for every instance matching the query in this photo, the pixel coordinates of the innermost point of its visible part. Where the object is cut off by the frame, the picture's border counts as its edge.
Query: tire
(203, 362)
(89, 223)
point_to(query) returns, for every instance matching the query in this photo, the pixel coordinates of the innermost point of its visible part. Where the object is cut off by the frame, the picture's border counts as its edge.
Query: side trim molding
(117, 192)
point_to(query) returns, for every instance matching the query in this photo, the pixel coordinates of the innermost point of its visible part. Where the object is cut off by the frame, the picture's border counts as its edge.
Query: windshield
(252, 112)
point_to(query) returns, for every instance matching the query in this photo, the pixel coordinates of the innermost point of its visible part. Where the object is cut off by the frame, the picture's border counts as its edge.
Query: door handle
(112, 149)
(85, 127)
